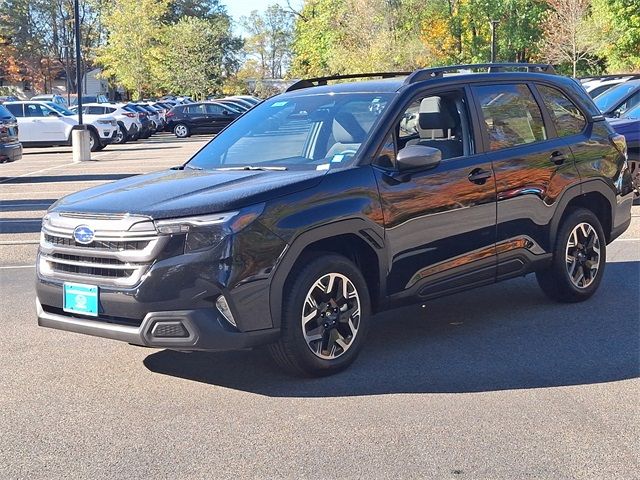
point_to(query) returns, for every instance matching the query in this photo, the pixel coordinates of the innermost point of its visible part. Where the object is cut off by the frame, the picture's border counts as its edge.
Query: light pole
(494, 24)
(76, 27)
(80, 135)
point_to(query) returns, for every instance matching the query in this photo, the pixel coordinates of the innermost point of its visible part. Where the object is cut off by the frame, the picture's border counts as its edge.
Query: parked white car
(51, 97)
(47, 124)
(597, 85)
(128, 124)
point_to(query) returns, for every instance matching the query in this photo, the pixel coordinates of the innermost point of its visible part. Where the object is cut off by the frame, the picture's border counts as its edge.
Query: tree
(572, 35)
(133, 45)
(208, 9)
(270, 40)
(623, 17)
(197, 55)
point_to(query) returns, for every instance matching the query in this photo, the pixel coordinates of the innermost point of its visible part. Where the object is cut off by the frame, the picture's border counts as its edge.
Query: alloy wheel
(331, 316)
(181, 131)
(583, 255)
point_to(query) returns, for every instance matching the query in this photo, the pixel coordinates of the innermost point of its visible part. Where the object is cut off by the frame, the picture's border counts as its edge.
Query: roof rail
(315, 82)
(427, 73)
(631, 76)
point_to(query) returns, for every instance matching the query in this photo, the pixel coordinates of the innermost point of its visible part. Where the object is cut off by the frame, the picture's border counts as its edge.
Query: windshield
(609, 99)
(60, 109)
(306, 132)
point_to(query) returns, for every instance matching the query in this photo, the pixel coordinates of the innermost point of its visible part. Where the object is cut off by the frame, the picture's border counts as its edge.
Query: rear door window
(567, 118)
(511, 115)
(35, 110)
(15, 109)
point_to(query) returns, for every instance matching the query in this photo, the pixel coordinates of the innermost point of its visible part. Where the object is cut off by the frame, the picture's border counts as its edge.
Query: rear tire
(181, 130)
(322, 329)
(579, 259)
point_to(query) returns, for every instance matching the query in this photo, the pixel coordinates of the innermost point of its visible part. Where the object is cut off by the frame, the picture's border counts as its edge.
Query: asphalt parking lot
(496, 383)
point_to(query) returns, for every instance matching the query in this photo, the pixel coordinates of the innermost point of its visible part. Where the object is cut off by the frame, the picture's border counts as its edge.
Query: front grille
(108, 245)
(121, 252)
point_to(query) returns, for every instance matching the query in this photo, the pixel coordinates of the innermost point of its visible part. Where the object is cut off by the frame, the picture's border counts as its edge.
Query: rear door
(532, 166)
(197, 119)
(217, 119)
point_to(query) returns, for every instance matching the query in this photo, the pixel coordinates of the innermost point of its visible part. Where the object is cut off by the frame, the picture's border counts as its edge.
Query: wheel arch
(351, 238)
(594, 195)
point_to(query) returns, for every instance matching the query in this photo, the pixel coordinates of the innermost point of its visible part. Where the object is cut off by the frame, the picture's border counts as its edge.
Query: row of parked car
(46, 120)
(618, 98)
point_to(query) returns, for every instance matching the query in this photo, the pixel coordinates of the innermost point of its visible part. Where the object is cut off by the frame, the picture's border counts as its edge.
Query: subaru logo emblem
(83, 234)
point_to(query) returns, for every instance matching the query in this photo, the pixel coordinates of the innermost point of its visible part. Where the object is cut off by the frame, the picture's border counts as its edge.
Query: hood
(629, 127)
(179, 193)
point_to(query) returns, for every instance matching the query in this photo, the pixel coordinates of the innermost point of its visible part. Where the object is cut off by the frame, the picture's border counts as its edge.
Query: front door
(440, 222)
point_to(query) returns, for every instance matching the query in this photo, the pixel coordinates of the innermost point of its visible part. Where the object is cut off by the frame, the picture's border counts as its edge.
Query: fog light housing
(223, 308)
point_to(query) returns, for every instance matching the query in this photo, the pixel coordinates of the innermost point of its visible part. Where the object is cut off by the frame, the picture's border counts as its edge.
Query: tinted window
(197, 109)
(15, 109)
(567, 118)
(110, 110)
(511, 115)
(95, 110)
(213, 109)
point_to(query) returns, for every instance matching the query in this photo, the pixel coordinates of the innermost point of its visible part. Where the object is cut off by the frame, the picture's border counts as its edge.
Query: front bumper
(201, 329)
(107, 136)
(10, 152)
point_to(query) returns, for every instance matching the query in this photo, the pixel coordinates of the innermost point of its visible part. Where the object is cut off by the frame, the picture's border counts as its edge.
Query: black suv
(205, 117)
(331, 202)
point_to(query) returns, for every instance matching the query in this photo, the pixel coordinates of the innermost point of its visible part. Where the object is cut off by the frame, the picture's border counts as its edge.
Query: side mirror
(226, 112)
(413, 157)
(53, 113)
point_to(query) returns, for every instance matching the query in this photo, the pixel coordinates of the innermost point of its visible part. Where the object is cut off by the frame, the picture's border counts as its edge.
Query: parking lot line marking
(627, 240)
(8, 267)
(19, 242)
(37, 171)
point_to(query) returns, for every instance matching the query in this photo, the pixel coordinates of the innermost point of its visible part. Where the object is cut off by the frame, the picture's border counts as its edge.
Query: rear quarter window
(566, 116)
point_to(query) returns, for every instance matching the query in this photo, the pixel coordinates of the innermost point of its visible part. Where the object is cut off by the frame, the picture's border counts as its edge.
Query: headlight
(207, 231)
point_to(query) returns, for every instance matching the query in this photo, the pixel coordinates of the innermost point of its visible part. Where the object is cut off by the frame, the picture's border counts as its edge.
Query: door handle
(557, 157)
(479, 176)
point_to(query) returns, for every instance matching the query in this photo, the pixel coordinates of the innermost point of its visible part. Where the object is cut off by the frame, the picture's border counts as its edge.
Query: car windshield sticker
(337, 158)
(324, 166)
(279, 104)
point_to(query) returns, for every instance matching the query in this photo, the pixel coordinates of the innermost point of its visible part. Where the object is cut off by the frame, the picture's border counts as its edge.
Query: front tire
(326, 315)
(579, 259)
(121, 136)
(94, 141)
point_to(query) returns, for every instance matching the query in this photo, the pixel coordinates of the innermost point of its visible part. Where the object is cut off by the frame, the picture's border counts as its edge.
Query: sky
(239, 8)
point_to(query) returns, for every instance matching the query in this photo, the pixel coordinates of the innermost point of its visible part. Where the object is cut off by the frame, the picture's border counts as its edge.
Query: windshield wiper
(191, 167)
(251, 167)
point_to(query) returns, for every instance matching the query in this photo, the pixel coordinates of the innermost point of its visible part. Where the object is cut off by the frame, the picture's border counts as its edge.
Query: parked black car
(202, 117)
(10, 147)
(330, 202)
(143, 118)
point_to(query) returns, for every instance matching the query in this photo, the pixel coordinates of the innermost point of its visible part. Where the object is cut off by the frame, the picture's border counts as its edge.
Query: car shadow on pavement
(505, 336)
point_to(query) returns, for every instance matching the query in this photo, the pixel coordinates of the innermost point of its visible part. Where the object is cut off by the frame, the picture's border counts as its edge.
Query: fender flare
(594, 185)
(351, 226)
